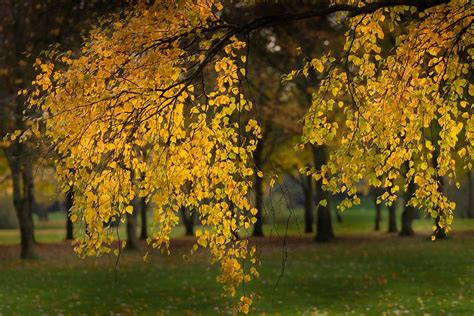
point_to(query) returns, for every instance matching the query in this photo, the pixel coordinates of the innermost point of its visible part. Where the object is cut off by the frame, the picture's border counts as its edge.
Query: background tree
(68, 204)
(144, 219)
(28, 28)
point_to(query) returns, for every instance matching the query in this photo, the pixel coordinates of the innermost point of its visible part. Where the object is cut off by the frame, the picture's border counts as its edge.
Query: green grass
(361, 273)
(279, 221)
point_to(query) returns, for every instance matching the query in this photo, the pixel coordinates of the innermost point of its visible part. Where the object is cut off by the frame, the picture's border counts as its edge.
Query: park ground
(361, 273)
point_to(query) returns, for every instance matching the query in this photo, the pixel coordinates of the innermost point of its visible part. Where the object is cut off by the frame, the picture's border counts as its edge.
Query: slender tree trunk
(235, 214)
(408, 213)
(69, 228)
(22, 179)
(375, 193)
(132, 240)
(258, 188)
(378, 213)
(440, 233)
(392, 218)
(308, 204)
(144, 221)
(324, 231)
(27, 229)
(470, 205)
(188, 221)
(68, 203)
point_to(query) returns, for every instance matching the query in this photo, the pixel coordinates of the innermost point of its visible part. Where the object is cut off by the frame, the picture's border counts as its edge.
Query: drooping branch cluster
(400, 102)
(133, 89)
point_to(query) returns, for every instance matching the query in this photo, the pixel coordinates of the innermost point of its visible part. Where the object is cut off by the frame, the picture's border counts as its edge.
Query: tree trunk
(439, 233)
(375, 193)
(188, 221)
(308, 204)
(22, 180)
(324, 231)
(408, 213)
(378, 213)
(68, 203)
(392, 218)
(258, 188)
(470, 205)
(144, 221)
(132, 240)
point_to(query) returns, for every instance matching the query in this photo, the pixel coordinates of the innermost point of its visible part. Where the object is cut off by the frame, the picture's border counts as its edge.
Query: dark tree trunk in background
(392, 218)
(235, 213)
(188, 221)
(132, 240)
(27, 227)
(408, 214)
(20, 159)
(68, 203)
(69, 228)
(470, 205)
(258, 188)
(378, 213)
(308, 204)
(324, 231)
(144, 221)
(375, 193)
(440, 233)
(23, 197)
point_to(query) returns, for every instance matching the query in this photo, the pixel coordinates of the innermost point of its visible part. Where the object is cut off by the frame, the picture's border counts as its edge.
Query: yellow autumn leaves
(404, 117)
(127, 119)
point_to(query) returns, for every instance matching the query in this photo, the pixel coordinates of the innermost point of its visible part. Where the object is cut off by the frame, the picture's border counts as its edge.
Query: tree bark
(470, 205)
(324, 230)
(132, 240)
(188, 221)
(408, 213)
(439, 233)
(258, 188)
(68, 203)
(144, 221)
(392, 218)
(375, 193)
(378, 213)
(308, 204)
(23, 198)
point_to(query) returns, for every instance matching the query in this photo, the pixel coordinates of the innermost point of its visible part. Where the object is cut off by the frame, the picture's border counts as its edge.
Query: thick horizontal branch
(317, 12)
(352, 11)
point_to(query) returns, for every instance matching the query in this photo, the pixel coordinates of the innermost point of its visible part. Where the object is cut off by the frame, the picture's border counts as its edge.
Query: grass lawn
(362, 272)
